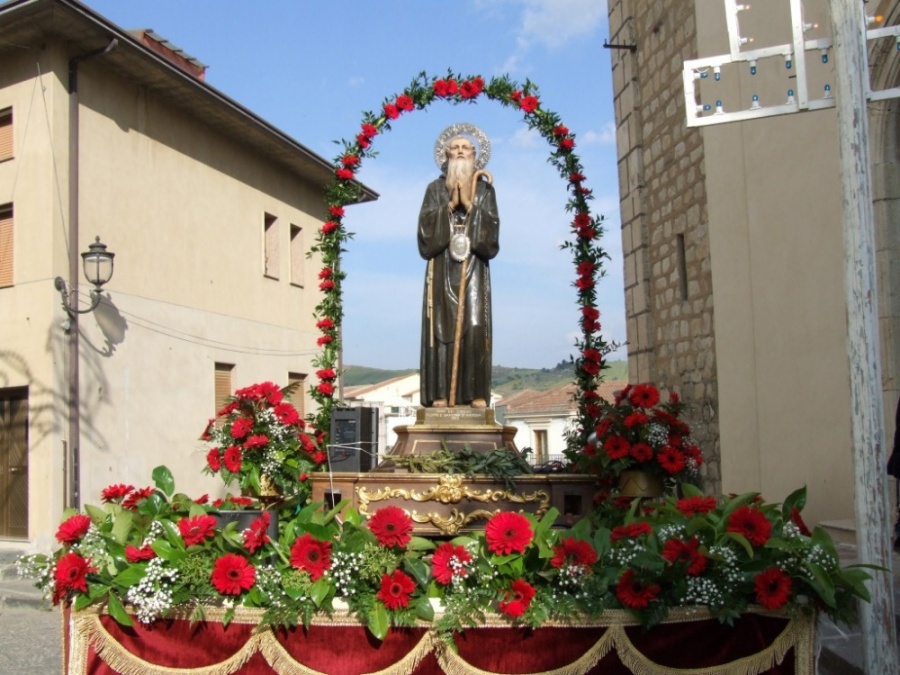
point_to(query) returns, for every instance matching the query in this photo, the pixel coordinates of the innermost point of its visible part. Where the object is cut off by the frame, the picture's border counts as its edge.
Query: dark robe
(441, 296)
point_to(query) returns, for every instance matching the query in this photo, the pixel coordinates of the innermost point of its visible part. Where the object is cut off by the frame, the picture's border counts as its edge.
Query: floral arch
(587, 255)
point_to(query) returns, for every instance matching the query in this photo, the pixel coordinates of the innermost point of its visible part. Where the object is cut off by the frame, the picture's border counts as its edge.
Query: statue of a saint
(458, 235)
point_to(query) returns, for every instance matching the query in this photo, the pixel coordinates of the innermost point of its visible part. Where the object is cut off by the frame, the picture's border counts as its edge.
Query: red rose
(369, 130)
(586, 233)
(396, 589)
(516, 96)
(326, 388)
(560, 130)
(196, 530)
(445, 88)
(751, 523)
(326, 285)
(325, 273)
(391, 526)
(326, 374)
(344, 174)
(584, 284)
(311, 555)
(566, 144)
(773, 588)
(405, 103)
(329, 226)
(449, 561)
(633, 593)
(336, 211)
(73, 529)
(582, 219)
(529, 104)
(232, 458)
(325, 324)
(233, 574)
(507, 533)
(350, 161)
(391, 111)
(576, 177)
(471, 88)
(324, 340)
(517, 598)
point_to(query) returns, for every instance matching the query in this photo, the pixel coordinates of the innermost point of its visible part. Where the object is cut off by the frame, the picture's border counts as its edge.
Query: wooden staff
(461, 300)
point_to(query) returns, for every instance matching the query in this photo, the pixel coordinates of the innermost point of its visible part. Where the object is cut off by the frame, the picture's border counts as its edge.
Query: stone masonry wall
(668, 279)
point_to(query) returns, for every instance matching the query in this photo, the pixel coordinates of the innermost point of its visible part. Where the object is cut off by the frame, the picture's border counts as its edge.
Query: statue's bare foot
(440, 403)
(479, 403)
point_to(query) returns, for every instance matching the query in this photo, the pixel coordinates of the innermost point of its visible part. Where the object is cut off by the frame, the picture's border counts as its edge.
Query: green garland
(587, 255)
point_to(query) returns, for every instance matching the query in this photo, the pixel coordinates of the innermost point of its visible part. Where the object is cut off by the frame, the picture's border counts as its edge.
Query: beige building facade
(733, 250)
(210, 212)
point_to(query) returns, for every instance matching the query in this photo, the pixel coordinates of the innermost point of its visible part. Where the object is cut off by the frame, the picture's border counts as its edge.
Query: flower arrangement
(150, 552)
(585, 229)
(638, 432)
(259, 441)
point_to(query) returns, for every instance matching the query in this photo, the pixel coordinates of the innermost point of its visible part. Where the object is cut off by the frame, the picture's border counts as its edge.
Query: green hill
(506, 380)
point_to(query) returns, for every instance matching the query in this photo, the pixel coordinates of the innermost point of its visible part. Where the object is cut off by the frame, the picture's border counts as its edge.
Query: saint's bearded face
(460, 163)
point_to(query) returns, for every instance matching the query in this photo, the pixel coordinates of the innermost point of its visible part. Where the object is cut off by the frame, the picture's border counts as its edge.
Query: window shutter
(6, 134)
(6, 246)
(298, 394)
(223, 385)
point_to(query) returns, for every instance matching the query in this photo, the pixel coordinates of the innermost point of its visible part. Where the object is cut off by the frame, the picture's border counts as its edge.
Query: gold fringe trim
(86, 630)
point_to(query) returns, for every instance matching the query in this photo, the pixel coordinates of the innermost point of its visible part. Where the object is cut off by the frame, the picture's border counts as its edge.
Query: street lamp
(98, 269)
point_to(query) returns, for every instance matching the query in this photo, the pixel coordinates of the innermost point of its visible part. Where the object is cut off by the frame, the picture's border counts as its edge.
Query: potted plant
(641, 443)
(259, 441)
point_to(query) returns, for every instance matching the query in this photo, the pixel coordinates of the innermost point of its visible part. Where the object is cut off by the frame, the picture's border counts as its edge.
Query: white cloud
(606, 136)
(553, 23)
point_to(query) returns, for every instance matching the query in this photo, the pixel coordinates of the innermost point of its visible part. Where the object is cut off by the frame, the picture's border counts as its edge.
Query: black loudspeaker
(354, 439)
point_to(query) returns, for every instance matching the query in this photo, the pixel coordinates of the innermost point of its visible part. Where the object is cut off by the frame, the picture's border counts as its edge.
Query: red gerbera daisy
(241, 427)
(678, 551)
(311, 555)
(634, 593)
(213, 460)
(517, 598)
(449, 561)
(752, 523)
(196, 530)
(693, 506)
(286, 413)
(71, 575)
(573, 552)
(641, 452)
(508, 533)
(396, 589)
(115, 492)
(671, 460)
(644, 396)
(133, 554)
(73, 529)
(135, 497)
(617, 447)
(391, 526)
(257, 534)
(636, 419)
(232, 458)
(233, 574)
(630, 531)
(773, 588)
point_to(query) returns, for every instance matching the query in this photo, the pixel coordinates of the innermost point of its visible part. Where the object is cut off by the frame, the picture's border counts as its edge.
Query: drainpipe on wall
(74, 488)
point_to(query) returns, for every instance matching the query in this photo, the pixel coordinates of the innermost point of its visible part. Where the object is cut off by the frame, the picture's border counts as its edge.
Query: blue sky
(311, 67)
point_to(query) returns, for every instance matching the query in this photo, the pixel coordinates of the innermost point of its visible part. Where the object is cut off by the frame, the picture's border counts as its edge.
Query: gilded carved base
(447, 505)
(454, 428)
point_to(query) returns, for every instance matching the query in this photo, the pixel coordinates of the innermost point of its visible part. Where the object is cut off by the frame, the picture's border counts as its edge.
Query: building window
(6, 134)
(682, 266)
(296, 255)
(6, 245)
(270, 246)
(298, 394)
(540, 446)
(223, 384)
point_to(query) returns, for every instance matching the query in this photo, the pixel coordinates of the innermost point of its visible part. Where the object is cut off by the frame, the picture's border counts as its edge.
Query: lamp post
(97, 264)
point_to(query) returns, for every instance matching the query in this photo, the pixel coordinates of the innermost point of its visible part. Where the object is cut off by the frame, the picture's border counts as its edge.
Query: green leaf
(97, 514)
(122, 526)
(742, 540)
(424, 609)
(691, 490)
(420, 544)
(822, 583)
(795, 500)
(130, 576)
(117, 612)
(166, 551)
(378, 621)
(162, 478)
(419, 571)
(82, 601)
(319, 591)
